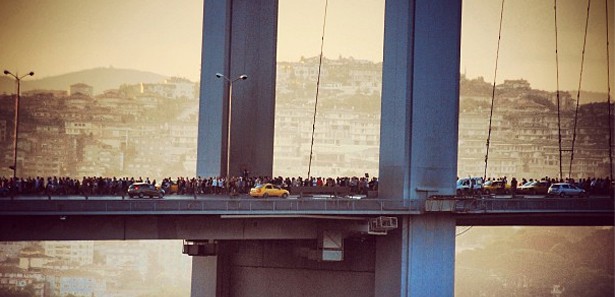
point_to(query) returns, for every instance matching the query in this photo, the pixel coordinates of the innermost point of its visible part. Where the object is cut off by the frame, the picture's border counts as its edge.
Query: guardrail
(210, 206)
(101, 205)
(534, 205)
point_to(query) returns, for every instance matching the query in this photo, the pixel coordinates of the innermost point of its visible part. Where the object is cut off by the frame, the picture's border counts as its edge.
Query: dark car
(142, 190)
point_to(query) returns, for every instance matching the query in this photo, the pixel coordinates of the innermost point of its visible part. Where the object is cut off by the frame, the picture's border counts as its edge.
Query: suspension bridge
(400, 244)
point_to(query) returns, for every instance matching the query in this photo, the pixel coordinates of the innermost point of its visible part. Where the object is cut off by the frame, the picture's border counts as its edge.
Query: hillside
(100, 78)
(530, 261)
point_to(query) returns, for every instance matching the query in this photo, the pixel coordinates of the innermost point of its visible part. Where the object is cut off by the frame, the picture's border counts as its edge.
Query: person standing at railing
(373, 184)
(219, 185)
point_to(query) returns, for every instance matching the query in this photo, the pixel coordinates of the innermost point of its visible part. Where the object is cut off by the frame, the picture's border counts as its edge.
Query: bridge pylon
(418, 156)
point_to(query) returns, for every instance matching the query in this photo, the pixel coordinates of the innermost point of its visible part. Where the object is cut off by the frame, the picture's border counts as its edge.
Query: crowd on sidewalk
(114, 186)
(117, 186)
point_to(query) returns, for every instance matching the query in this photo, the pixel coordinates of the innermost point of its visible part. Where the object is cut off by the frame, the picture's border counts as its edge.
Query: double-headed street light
(228, 133)
(16, 124)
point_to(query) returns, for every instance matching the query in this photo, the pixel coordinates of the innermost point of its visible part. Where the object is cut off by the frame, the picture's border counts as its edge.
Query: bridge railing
(211, 206)
(78, 205)
(495, 205)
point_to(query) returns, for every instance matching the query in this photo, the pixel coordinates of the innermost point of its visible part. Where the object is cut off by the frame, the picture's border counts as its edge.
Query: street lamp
(16, 132)
(228, 133)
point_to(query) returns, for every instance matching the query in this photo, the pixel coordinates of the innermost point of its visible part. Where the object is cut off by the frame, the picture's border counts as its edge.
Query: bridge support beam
(285, 268)
(417, 259)
(239, 37)
(204, 276)
(418, 143)
(420, 98)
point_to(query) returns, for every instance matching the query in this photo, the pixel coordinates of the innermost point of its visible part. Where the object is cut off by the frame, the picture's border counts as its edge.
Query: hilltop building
(174, 87)
(82, 89)
(150, 129)
(78, 251)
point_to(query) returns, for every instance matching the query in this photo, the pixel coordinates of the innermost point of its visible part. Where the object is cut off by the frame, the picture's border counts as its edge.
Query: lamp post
(228, 132)
(16, 132)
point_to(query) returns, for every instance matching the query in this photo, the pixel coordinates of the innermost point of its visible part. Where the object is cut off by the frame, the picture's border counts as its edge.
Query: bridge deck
(105, 205)
(177, 217)
(520, 205)
(216, 204)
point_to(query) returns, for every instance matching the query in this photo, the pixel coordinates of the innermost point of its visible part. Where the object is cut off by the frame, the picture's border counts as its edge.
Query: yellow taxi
(496, 187)
(268, 190)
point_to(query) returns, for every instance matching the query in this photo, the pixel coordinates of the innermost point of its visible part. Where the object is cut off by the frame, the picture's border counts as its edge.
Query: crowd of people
(64, 186)
(114, 186)
(243, 184)
(117, 186)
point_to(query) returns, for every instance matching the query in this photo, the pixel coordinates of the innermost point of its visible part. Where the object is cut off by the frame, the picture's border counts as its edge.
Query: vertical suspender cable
(322, 42)
(497, 55)
(576, 111)
(608, 85)
(559, 121)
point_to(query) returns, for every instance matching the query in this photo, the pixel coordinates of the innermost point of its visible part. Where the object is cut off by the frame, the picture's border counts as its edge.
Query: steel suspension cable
(576, 111)
(497, 56)
(559, 121)
(322, 43)
(608, 85)
(464, 231)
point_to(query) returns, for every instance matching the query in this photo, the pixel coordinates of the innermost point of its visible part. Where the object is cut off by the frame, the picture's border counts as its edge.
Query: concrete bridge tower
(418, 157)
(239, 37)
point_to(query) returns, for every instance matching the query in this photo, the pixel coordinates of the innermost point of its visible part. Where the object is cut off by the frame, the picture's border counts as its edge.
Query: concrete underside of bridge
(199, 227)
(383, 265)
(284, 268)
(222, 227)
(278, 256)
(283, 256)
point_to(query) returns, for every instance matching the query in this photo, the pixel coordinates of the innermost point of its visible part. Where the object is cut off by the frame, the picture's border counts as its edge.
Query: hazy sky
(52, 37)
(527, 48)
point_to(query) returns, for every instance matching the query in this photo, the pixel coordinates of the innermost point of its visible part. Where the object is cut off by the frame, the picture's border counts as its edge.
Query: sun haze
(57, 37)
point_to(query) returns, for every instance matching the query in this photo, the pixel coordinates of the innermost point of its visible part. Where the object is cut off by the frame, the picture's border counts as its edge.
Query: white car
(565, 189)
(463, 185)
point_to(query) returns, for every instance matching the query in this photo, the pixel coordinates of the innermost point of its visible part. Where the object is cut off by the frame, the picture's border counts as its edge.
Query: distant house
(515, 84)
(82, 89)
(81, 128)
(78, 101)
(76, 282)
(33, 258)
(16, 279)
(174, 87)
(78, 251)
(11, 249)
(183, 87)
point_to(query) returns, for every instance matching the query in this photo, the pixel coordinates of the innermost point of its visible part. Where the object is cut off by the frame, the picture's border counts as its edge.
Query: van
(469, 186)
